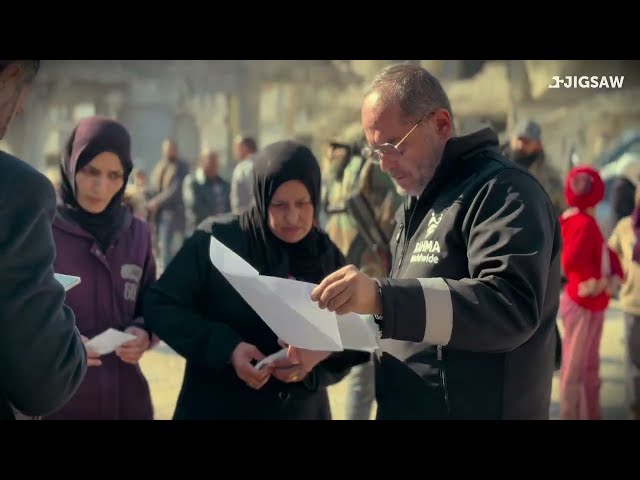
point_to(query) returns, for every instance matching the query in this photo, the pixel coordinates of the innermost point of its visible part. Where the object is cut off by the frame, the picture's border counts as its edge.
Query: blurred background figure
(527, 150)
(242, 178)
(205, 193)
(137, 194)
(623, 189)
(593, 271)
(52, 170)
(625, 241)
(340, 226)
(166, 207)
(359, 204)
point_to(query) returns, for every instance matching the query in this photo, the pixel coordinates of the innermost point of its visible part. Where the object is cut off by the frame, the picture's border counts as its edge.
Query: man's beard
(400, 191)
(414, 192)
(524, 160)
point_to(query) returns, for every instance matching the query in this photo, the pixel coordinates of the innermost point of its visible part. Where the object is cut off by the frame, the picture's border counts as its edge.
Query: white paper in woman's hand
(108, 341)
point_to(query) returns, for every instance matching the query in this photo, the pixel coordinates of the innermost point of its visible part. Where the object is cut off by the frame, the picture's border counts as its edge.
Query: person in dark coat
(205, 193)
(100, 240)
(166, 207)
(42, 359)
(200, 315)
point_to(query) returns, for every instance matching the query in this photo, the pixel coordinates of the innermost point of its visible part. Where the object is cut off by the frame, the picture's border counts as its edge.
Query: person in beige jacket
(625, 241)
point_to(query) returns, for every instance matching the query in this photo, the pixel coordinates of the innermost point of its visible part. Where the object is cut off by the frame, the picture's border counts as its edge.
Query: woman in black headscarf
(200, 315)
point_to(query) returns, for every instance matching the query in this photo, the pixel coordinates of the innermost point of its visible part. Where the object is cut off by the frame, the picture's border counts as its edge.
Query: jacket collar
(460, 148)
(456, 151)
(63, 222)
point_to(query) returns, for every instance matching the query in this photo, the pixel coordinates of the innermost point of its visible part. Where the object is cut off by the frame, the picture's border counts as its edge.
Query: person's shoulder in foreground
(42, 357)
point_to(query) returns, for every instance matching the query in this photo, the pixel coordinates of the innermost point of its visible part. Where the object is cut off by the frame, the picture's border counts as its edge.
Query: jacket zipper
(443, 379)
(443, 375)
(401, 251)
(406, 238)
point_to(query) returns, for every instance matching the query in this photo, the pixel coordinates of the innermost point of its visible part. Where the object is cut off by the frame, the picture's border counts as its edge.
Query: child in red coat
(593, 272)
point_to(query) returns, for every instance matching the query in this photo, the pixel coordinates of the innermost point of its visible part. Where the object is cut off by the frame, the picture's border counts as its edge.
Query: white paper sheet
(283, 318)
(358, 332)
(108, 341)
(228, 261)
(286, 307)
(67, 281)
(279, 355)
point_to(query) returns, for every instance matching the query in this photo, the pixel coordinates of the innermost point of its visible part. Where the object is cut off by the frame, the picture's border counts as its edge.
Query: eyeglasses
(388, 149)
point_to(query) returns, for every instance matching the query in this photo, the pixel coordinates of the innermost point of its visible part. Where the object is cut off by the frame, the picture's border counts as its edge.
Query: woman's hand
(241, 359)
(289, 374)
(93, 358)
(304, 360)
(131, 351)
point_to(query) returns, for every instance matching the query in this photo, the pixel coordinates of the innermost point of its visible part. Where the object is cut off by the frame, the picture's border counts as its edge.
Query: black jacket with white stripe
(470, 306)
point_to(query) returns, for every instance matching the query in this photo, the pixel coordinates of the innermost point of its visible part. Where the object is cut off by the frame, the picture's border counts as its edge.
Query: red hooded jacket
(586, 258)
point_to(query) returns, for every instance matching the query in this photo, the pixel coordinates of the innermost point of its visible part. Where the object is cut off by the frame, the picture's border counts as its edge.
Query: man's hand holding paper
(348, 290)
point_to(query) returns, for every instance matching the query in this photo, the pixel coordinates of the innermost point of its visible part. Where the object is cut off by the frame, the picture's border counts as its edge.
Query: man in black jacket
(42, 357)
(467, 316)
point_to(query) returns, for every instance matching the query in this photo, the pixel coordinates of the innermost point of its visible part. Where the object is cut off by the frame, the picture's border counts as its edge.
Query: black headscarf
(91, 137)
(276, 164)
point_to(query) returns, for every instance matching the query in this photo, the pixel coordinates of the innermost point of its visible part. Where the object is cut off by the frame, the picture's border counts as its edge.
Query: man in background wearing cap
(625, 241)
(42, 357)
(526, 149)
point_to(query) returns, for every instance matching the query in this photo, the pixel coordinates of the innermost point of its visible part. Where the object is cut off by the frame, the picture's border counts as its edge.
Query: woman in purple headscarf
(98, 239)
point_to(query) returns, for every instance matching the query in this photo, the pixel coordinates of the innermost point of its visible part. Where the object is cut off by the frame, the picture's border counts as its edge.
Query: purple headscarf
(91, 137)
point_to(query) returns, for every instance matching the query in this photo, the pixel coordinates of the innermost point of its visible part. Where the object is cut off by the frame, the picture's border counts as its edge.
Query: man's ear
(444, 124)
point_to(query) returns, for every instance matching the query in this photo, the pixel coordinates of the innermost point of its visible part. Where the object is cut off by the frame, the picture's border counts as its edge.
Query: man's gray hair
(413, 88)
